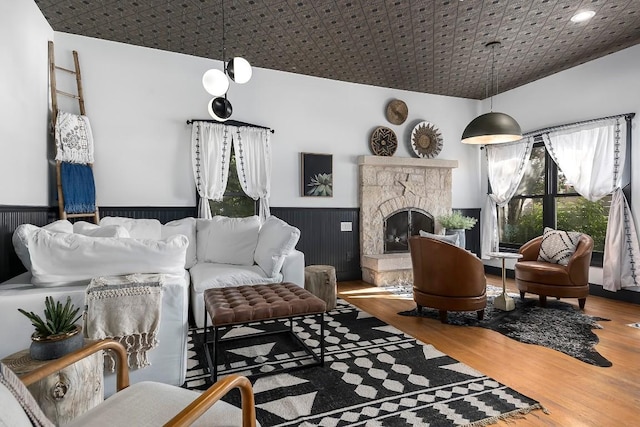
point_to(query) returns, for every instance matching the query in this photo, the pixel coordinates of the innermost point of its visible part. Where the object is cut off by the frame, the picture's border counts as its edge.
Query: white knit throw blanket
(127, 309)
(74, 139)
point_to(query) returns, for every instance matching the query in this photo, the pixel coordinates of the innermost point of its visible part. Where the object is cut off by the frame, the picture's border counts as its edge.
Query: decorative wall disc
(397, 112)
(426, 140)
(383, 141)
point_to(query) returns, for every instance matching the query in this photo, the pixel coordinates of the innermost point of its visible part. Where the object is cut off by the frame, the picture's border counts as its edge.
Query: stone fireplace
(399, 196)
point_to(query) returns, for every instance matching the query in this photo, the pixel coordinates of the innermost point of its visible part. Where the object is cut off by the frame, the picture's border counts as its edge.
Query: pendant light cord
(224, 62)
(493, 69)
(497, 73)
(490, 86)
(224, 49)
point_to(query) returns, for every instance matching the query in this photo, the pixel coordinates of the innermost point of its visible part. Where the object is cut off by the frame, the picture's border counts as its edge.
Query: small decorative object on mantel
(57, 334)
(397, 112)
(426, 140)
(383, 141)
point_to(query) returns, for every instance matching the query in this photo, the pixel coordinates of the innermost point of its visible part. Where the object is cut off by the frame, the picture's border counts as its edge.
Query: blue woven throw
(78, 188)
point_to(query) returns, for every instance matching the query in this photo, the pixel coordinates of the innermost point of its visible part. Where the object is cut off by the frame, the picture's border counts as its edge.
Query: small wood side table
(504, 302)
(321, 281)
(67, 393)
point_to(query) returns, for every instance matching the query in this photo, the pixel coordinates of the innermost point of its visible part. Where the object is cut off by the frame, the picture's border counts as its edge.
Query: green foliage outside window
(572, 214)
(522, 219)
(235, 203)
(579, 214)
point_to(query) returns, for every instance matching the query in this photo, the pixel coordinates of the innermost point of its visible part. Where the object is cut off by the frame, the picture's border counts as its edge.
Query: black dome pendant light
(492, 128)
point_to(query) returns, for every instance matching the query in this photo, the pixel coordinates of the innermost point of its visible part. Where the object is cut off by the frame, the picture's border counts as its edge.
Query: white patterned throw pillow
(558, 246)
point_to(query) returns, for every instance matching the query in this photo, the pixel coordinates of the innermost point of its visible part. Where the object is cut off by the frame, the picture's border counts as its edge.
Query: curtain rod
(231, 123)
(627, 116)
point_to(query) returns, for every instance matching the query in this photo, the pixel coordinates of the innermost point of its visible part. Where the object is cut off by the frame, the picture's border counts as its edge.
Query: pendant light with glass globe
(216, 81)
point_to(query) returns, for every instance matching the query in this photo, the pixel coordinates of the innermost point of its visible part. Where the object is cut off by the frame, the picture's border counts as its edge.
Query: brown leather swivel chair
(555, 280)
(446, 277)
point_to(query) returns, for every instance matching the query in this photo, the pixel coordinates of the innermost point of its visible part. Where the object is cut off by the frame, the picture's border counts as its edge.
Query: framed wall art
(317, 174)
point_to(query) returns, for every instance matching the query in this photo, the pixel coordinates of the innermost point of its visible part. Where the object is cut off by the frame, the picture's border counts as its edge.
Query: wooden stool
(320, 280)
(244, 304)
(68, 393)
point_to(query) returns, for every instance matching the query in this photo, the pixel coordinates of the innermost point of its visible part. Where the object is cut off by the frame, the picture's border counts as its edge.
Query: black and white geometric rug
(559, 325)
(374, 375)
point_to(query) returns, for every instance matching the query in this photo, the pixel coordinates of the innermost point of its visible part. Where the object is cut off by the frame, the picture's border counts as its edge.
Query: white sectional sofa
(63, 257)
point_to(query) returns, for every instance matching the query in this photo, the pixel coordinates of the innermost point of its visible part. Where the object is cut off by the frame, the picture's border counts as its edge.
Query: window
(235, 203)
(544, 199)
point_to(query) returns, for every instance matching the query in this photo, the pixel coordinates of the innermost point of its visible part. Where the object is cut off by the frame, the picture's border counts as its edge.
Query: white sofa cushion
(186, 227)
(21, 235)
(275, 240)
(88, 229)
(137, 228)
(154, 404)
(207, 275)
(225, 240)
(62, 259)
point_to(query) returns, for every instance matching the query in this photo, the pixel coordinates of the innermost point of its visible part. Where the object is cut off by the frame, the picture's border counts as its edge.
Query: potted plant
(456, 223)
(57, 334)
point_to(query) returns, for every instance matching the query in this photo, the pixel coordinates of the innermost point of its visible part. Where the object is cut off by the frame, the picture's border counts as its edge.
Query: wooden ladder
(54, 107)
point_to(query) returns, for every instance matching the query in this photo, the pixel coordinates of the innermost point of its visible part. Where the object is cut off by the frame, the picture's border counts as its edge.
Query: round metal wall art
(426, 140)
(383, 141)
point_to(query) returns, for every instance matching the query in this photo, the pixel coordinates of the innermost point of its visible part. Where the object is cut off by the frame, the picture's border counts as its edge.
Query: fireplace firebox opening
(402, 224)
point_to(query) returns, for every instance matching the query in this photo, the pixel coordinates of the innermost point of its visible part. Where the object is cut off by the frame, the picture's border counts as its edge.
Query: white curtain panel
(210, 154)
(252, 147)
(506, 164)
(592, 157)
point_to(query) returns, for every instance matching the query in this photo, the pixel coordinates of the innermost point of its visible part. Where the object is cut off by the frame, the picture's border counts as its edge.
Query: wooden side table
(320, 280)
(67, 393)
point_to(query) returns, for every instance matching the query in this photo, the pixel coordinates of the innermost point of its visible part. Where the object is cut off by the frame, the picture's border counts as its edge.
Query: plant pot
(461, 236)
(55, 346)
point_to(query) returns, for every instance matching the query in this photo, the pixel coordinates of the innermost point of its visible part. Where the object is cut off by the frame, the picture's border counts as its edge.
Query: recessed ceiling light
(585, 15)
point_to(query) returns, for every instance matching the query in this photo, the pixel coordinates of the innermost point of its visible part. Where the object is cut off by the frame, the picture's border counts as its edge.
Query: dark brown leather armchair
(446, 277)
(555, 280)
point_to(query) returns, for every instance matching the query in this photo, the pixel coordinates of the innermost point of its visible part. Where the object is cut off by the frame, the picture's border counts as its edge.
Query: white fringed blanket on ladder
(74, 139)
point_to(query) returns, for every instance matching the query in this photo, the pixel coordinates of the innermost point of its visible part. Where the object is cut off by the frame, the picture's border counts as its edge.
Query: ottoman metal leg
(212, 365)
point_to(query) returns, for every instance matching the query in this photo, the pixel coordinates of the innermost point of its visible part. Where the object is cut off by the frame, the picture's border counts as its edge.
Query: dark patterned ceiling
(425, 46)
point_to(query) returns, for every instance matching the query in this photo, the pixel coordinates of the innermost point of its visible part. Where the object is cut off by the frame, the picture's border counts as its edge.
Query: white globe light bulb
(239, 70)
(215, 82)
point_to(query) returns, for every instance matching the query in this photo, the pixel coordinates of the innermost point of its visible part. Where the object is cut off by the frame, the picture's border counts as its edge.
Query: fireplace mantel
(412, 162)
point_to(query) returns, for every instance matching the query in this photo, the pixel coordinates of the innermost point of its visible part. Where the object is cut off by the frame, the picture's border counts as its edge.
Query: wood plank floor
(575, 393)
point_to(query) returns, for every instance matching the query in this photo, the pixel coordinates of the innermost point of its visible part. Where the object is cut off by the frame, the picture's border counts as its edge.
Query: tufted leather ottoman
(244, 304)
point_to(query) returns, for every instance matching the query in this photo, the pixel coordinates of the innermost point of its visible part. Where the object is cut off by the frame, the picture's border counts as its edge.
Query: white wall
(139, 99)
(23, 103)
(603, 87)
